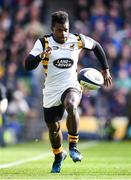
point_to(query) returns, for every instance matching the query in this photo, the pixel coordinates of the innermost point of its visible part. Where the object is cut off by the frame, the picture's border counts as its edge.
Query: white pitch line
(88, 144)
(43, 156)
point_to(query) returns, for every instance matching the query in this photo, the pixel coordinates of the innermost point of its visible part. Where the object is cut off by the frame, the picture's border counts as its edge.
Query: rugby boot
(56, 167)
(75, 154)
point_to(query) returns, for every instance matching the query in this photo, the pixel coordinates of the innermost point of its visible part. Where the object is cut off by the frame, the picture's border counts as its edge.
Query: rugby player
(58, 53)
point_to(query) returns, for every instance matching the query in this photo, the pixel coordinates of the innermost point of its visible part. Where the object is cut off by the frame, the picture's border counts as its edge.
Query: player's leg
(52, 117)
(71, 100)
(56, 138)
(55, 134)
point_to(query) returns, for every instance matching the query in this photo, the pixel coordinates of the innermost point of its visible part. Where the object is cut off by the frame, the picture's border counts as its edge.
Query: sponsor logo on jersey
(72, 46)
(55, 47)
(66, 47)
(63, 63)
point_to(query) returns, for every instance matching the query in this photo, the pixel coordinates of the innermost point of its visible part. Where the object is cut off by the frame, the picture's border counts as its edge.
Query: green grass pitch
(101, 160)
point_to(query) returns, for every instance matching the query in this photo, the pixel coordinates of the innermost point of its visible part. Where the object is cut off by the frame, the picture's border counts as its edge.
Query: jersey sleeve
(87, 41)
(37, 49)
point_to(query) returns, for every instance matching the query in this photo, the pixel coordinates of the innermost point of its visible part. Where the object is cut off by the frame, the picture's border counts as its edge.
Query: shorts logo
(63, 63)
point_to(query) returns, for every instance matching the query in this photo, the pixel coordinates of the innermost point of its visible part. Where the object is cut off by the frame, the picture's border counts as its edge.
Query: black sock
(58, 156)
(72, 145)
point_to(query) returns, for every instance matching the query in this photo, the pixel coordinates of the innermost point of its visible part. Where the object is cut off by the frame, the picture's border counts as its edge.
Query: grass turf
(102, 160)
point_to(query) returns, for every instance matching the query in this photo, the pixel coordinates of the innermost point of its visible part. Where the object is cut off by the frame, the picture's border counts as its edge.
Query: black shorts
(55, 113)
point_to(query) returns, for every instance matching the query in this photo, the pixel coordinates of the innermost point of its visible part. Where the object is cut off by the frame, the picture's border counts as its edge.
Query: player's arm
(94, 46)
(36, 55)
(31, 62)
(33, 59)
(100, 54)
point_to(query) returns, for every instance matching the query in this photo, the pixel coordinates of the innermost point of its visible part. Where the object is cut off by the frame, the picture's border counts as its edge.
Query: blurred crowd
(23, 21)
(108, 22)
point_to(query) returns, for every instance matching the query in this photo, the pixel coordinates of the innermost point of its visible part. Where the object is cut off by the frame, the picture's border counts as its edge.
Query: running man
(58, 53)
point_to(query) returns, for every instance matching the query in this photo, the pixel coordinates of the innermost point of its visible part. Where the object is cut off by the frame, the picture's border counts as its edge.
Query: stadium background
(105, 114)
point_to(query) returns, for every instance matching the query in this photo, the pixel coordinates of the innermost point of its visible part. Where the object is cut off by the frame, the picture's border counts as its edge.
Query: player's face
(61, 32)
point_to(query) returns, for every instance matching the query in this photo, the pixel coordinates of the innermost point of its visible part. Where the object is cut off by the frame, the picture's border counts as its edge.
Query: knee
(71, 107)
(53, 127)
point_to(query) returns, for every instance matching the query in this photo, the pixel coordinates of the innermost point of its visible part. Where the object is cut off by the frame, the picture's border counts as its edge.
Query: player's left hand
(107, 77)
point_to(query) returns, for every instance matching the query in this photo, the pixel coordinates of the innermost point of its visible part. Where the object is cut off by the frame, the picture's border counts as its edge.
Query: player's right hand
(46, 52)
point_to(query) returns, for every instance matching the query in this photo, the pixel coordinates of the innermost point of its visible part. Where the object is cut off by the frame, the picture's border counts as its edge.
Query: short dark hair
(60, 17)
